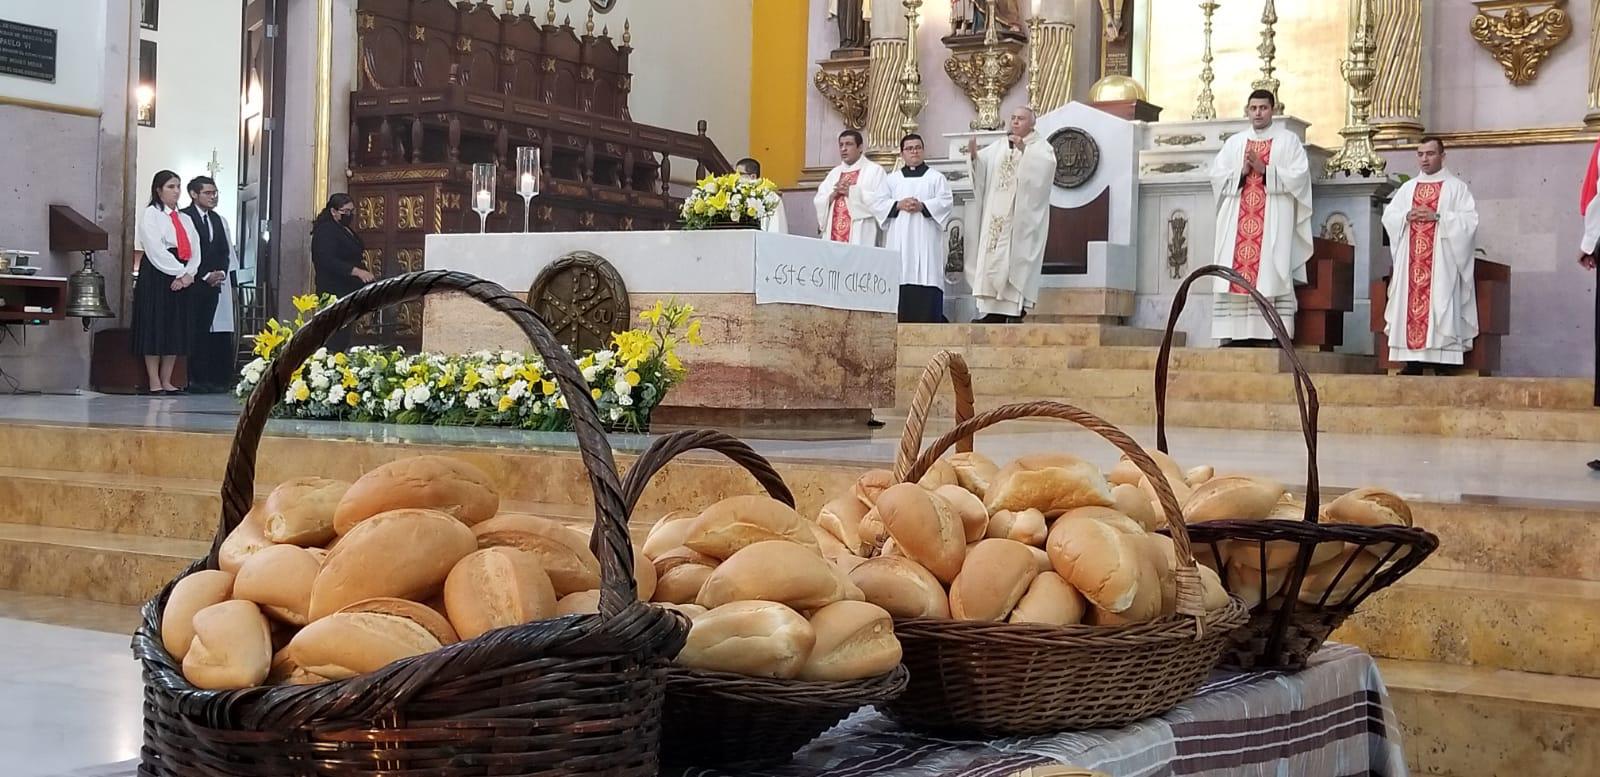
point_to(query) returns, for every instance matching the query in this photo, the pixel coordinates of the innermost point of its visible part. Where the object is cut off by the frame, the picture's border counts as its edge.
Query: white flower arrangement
(730, 199)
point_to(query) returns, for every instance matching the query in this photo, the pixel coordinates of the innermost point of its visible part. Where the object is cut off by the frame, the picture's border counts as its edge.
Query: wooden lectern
(1330, 293)
(1493, 282)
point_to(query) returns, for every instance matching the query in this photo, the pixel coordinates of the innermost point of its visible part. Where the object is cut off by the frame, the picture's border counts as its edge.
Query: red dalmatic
(1252, 217)
(1419, 290)
(839, 218)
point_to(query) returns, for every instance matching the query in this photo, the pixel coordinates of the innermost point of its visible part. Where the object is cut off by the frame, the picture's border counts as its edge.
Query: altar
(797, 331)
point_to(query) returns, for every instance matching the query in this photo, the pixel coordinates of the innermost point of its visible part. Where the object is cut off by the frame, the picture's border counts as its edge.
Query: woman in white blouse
(163, 329)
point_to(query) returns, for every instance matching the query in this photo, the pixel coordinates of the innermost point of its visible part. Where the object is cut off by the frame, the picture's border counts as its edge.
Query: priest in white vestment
(1011, 181)
(750, 169)
(912, 208)
(1262, 183)
(1432, 316)
(844, 199)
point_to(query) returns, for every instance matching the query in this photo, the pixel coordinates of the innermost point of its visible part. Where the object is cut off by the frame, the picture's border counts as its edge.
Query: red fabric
(839, 221)
(1419, 295)
(184, 249)
(1252, 218)
(1591, 178)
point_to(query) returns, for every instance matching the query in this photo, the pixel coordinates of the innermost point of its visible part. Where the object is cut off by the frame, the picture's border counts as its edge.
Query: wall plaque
(1077, 157)
(27, 51)
(583, 300)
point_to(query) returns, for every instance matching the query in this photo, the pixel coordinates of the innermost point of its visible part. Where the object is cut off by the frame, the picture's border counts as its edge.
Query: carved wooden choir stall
(442, 86)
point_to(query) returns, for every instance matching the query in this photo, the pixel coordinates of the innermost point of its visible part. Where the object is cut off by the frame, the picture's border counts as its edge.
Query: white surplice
(1432, 315)
(919, 236)
(777, 222)
(222, 320)
(1263, 230)
(1012, 191)
(862, 228)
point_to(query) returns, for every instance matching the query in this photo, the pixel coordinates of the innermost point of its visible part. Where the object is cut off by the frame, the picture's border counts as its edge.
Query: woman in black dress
(337, 253)
(163, 327)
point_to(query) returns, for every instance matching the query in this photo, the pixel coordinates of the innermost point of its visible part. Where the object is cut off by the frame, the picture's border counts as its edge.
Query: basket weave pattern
(577, 694)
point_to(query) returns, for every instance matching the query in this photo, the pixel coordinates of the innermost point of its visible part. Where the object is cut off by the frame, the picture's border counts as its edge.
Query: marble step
(945, 335)
(1505, 537)
(1467, 721)
(1046, 379)
(74, 613)
(1528, 624)
(1434, 421)
(97, 566)
(1230, 360)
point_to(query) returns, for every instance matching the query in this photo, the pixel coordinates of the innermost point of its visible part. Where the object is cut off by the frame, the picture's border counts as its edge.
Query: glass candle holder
(483, 174)
(527, 179)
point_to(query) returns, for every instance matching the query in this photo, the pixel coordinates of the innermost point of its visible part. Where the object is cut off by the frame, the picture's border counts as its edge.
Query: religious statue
(1111, 19)
(854, 18)
(1006, 13)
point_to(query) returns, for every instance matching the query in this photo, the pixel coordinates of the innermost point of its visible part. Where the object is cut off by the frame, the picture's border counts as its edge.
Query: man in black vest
(211, 364)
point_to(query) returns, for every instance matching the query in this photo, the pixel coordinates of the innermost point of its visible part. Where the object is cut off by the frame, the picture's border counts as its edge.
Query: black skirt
(163, 319)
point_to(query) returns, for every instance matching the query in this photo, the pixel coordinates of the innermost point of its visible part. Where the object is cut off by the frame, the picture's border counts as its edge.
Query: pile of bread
(326, 580)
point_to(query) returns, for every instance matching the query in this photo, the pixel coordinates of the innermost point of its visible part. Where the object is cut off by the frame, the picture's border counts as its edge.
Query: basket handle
(942, 363)
(1305, 393)
(664, 449)
(610, 541)
(1190, 599)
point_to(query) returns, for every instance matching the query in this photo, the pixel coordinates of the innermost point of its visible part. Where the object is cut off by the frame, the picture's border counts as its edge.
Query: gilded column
(1592, 120)
(888, 55)
(1397, 94)
(1051, 43)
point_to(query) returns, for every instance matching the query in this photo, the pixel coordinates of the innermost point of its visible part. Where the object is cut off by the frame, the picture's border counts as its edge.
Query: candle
(525, 185)
(485, 202)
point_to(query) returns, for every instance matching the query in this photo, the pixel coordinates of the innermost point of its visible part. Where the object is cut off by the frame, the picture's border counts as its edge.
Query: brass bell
(86, 293)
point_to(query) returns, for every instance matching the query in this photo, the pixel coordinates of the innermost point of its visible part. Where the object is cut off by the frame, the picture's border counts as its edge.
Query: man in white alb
(844, 199)
(1262, 182)
(1432, 222)
(751, 170)
(1011, 181)
(912, 207)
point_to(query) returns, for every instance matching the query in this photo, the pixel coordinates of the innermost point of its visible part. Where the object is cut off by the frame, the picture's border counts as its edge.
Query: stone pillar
(1397, 91)
(1592, 120)
(888, 53)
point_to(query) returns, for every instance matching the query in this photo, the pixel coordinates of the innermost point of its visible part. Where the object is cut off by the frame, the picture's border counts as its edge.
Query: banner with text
(805, 271)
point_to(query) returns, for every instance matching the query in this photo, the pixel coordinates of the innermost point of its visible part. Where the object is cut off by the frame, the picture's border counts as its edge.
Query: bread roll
(245, 539)
(427, 617)
(644, 576)
(925, 528)
(346, 644)
(1163, 554)
(232, 647)
(969, 508)
(1041, 559)
(282, 669)
(1368, 507)
(580, 603)
(189, 596)
(1052, 483)
(1254, 586)
(680, 574)
(406, 554)
(496, 587)
(1125, 473)
(451, 486)
(872, 483)
(854, 641)
(873, 533)
(1194, 476)
(300, 511)
(1098, 560)
(777, 571)
(1109, 517)
(1132, 502)
(677, 557)
(754, 638)
(736, 522)
(690, 611)
(1232, 497)
(1050, 601)
(1024, 526)
(847, 564)
(279, 579)
(842, 519)
(829, 545)
(1336, 577)
(563, 551)
(993, 579)
(891, 548)
(1212, 594)
(902, 587)
(942, 473)
(974, 471)
(668, 532)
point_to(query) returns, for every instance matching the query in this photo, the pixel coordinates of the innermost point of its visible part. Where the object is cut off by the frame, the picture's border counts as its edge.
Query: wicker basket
(1283, 631)
(1008, 679)
(717, 719)
(577, 694)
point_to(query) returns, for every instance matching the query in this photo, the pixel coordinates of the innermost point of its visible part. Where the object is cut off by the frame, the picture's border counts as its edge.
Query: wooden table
(19, 291)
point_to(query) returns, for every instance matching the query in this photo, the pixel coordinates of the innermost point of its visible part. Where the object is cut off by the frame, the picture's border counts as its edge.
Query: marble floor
(1434, 468)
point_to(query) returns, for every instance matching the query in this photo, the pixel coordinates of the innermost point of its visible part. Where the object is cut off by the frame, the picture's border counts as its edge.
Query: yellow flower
(352, 398)
(529, 373)
(548, 387)
(505, 403)
(306, 303)
(693, 334)
(347, 379)
(301, 391)
(470, 381)
(268, 342)
(653, 315)
(672, 362)
(632, 378)
(503, 371)
(594, 392)
(340, 359)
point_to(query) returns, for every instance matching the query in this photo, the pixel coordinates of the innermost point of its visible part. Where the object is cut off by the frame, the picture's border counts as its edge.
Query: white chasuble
(1432, 315)
(1263, 230)
(917, 236)
(848, 219)
(1012, 191)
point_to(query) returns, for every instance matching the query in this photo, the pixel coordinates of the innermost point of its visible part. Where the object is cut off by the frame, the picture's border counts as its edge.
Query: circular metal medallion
(1077, 157)
(583, 300)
